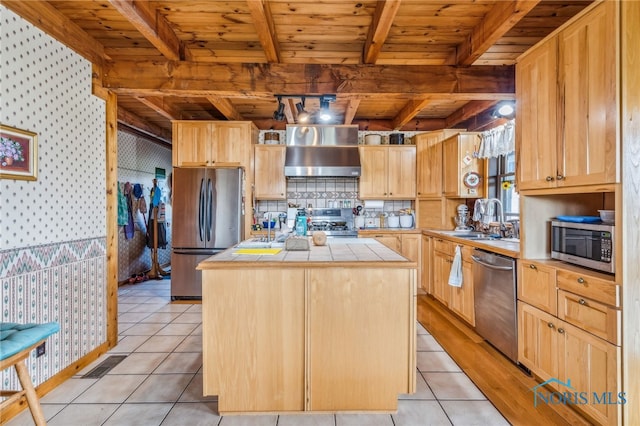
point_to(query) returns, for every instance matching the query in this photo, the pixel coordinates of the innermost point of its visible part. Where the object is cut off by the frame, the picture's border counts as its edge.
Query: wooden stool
(16, 343)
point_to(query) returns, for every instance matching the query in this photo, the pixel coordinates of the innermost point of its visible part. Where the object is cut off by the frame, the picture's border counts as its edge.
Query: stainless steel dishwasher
(494, 282)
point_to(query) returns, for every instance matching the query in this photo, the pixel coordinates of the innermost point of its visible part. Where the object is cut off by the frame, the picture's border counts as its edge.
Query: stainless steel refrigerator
(207, 218)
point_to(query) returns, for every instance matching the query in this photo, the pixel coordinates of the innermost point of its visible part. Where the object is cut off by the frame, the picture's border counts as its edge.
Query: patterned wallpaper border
(15, 262)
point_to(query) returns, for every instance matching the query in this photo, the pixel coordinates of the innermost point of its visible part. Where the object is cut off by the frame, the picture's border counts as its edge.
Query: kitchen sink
(470, 235)
(260, 243)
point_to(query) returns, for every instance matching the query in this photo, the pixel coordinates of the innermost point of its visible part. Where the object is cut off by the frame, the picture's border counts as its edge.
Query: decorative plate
(471, 180)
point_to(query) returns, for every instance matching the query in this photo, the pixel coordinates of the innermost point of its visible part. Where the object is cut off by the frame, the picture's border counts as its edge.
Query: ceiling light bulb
(506, 110)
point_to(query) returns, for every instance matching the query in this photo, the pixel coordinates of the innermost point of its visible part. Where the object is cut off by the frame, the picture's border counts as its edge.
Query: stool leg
(30, 392)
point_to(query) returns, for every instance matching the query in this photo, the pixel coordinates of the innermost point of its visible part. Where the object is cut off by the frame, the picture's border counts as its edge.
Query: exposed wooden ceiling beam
(500, 19)
(152, 25)
(50, 20)
(415, 125)
(142, 125)
(379, 30)
(289, 108)
(201, 79)
(225, 107)
(467, 111)
(263, 21)
(160, 106)
(350, 111)
(409, 111)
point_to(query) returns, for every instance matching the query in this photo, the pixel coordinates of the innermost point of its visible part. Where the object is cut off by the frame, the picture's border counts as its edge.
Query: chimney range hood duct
(322, 151)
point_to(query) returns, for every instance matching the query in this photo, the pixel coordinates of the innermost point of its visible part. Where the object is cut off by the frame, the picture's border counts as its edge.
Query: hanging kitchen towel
(455, 276)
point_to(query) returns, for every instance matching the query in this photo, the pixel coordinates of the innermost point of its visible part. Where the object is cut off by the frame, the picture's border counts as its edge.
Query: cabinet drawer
(589, 315)
(443, 245)
(597, 289)
(537, 285)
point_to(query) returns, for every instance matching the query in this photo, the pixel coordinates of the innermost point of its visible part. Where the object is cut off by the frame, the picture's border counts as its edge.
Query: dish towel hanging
(455, 276)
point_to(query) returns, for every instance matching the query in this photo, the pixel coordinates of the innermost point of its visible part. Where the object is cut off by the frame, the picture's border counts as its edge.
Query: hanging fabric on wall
(122, 207)
(129, 227)
(498, 141)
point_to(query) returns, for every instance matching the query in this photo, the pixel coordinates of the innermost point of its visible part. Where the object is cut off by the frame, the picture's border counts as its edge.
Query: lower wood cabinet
(554, 349)
(459, 299)
(308, 339)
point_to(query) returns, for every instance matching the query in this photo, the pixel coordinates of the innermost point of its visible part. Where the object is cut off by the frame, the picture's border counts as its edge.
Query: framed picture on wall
(18, 154)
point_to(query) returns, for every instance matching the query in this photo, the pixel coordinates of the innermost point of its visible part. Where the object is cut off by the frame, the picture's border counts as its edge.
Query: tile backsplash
(323, 193)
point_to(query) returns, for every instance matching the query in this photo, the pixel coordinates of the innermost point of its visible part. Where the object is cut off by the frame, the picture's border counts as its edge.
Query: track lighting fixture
(303, 116)
(278, 115)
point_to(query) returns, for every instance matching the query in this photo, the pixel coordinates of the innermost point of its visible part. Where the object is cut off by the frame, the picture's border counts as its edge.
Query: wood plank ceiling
(409, 65)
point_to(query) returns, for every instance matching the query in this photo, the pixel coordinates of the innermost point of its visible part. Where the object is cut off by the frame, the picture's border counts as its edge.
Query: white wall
(53, 230)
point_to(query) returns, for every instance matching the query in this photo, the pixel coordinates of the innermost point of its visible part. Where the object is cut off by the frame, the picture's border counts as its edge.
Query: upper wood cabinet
(462, 171)
(269, 180)
(388, 172)
(566, 105)
(211, 143)
(429, 162)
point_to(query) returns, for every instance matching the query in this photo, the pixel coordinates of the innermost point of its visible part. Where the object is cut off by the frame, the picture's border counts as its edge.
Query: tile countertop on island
(504, 246)
(338, 252)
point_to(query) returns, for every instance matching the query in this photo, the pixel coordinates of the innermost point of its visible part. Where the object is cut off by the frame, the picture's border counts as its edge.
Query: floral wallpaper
(53, 229)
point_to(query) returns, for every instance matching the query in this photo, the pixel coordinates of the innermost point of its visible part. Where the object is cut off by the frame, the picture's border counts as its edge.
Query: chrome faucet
(500, 214)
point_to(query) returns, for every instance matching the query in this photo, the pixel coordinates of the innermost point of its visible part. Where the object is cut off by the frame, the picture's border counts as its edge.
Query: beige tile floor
(160, 380)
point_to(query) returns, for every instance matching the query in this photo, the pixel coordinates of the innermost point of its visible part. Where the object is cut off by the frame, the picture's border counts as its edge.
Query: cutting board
(258, 251)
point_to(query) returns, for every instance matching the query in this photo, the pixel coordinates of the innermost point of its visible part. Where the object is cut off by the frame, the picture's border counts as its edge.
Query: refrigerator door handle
(209, 209)
(201, 211)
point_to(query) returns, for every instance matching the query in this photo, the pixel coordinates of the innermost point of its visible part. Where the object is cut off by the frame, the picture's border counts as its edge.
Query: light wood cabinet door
(429, 162)
(441, 269)
(232, 142)
(388, 172)
(401, 172)
(427, 265)
(270, 182)
(458, 162)
(371, 336)
(373, 179)
(392, 241)
(192, 144)
(538, 341)
(587, 82)
(462, 298)
(591, 364)
(259, 368)
(536, 109)
(411, 248)
(537, 286)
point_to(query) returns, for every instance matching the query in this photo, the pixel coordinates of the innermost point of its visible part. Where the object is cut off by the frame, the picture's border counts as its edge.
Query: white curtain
(498, 141)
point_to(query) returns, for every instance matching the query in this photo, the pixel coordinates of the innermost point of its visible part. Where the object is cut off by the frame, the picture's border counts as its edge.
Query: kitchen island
(326, 330)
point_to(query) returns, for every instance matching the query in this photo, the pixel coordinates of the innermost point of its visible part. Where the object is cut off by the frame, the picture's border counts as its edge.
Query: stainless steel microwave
(586, 244)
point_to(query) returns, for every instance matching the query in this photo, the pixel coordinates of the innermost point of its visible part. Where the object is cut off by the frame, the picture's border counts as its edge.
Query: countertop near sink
(368, 232)
(506, 247)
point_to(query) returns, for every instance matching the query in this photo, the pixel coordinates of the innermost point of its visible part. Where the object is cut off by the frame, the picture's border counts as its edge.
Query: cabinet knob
(532, 266)
(549, 178)
(582, 302)
(559, 177)
(550, 325)
(580, 280)
(561, 330)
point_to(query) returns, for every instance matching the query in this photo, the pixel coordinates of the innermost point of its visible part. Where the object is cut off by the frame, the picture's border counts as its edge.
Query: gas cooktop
(332, 222)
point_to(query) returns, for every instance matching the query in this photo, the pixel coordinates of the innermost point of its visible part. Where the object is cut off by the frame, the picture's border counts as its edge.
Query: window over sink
(501, 182)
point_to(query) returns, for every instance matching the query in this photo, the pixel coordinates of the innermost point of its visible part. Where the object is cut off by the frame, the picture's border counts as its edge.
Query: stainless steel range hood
(322, 151)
